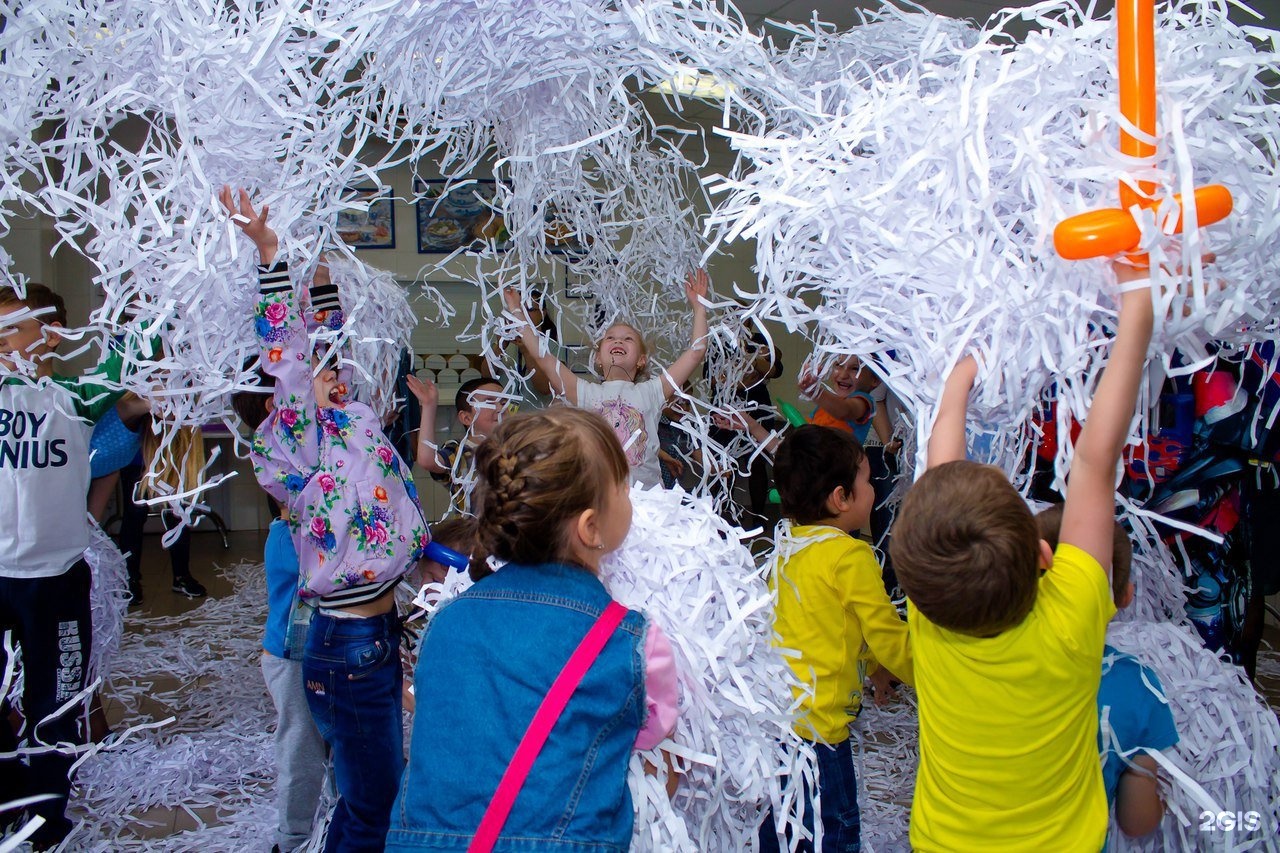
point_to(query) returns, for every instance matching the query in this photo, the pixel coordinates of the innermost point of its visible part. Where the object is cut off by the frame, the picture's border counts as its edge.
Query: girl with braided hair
(552, 500)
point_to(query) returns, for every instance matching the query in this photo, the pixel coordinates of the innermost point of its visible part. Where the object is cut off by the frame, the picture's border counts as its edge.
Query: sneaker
(188, 586)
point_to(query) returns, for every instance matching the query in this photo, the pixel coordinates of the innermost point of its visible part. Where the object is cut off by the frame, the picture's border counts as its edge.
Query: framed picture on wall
(456, 217)
(576, 285)
(578, 357)
(372, 228)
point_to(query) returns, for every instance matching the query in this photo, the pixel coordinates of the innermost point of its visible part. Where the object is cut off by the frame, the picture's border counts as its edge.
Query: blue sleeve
(1160, 731)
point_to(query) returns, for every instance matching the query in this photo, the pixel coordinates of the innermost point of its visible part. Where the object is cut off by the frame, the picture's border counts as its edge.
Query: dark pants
(1260, 499)
(353, 678)
(882, 476)
(841, 821)
(50, 620)
(133, 517)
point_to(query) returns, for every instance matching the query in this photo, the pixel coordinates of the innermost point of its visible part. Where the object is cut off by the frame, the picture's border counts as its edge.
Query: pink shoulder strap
(535, 737)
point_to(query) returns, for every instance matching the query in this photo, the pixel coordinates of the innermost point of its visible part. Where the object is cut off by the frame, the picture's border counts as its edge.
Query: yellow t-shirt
(1009, 724)
(831, 606)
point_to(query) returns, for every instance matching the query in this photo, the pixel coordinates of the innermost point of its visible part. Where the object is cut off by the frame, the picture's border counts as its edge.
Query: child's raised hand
(735, 421)
(426, 392)
(1131, 280)
(254, 225)
(321, 275)
(512, 299)
(808, 384)
(964, 373)
(695, 286)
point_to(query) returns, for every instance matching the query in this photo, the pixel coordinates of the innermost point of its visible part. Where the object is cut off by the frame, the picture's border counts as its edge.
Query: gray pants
(300, 752)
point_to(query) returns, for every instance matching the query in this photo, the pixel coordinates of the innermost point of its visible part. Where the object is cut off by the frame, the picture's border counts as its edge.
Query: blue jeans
(841, 822)
(353, 677)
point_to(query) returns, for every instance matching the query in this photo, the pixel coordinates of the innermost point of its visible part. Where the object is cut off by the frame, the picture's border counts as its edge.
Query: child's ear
(838, 501)
(52, 338)
(466, 418)
(584, 536)
(1046, 556)
(585, 527)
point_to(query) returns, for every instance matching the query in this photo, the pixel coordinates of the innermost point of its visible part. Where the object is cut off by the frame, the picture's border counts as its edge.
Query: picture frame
(457, 216)
(372, 228)
(578, 358)
(576, 285)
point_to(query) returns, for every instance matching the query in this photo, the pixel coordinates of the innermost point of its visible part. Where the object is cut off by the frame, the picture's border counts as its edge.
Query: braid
(536, 472)
(509, 482)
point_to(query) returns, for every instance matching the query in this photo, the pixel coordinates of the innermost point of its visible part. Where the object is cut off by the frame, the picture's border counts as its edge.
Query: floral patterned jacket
(356, 520)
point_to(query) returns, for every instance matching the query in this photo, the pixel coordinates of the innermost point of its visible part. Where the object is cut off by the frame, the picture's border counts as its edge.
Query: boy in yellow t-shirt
(831, 607)
(1007, 662)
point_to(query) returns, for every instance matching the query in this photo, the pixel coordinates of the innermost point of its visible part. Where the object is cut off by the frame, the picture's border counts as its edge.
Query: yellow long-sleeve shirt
(831, 606)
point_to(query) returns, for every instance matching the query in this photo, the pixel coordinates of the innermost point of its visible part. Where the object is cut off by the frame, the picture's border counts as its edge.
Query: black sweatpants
(50, 621)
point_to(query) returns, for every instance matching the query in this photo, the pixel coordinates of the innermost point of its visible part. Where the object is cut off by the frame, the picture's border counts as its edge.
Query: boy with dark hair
(830, 607)
(1133, 713)
(45, 424)
(1007, 662)
(481, 405)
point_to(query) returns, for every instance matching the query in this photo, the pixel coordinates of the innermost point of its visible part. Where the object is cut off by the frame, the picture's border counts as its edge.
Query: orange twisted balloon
(1111, 231)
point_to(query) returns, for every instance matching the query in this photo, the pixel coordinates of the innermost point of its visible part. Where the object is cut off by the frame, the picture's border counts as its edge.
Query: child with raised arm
(627, 397)
(1133, 713)
(481, 405)
(843, 399)
(1007, 662)
(357, 527)
(554, 501)
(830, 607)
(300, 752)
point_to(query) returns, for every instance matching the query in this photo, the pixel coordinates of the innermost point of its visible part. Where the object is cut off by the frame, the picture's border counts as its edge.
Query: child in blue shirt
(1133, 715)
(300, 750)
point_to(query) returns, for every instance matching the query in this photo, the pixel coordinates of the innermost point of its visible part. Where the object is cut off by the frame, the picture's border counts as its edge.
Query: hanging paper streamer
(156, 106)
(109, 600)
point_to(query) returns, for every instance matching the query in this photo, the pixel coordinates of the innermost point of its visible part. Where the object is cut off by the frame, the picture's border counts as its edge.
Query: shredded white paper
(900, 180)
(908, 180)
(1229, 742)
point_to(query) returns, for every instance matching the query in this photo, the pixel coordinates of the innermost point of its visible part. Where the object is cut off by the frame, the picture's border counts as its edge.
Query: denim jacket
(488, 658)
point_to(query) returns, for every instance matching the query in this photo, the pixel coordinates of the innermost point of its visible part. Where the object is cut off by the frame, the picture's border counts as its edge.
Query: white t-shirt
(631, 408)
(44, 477)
